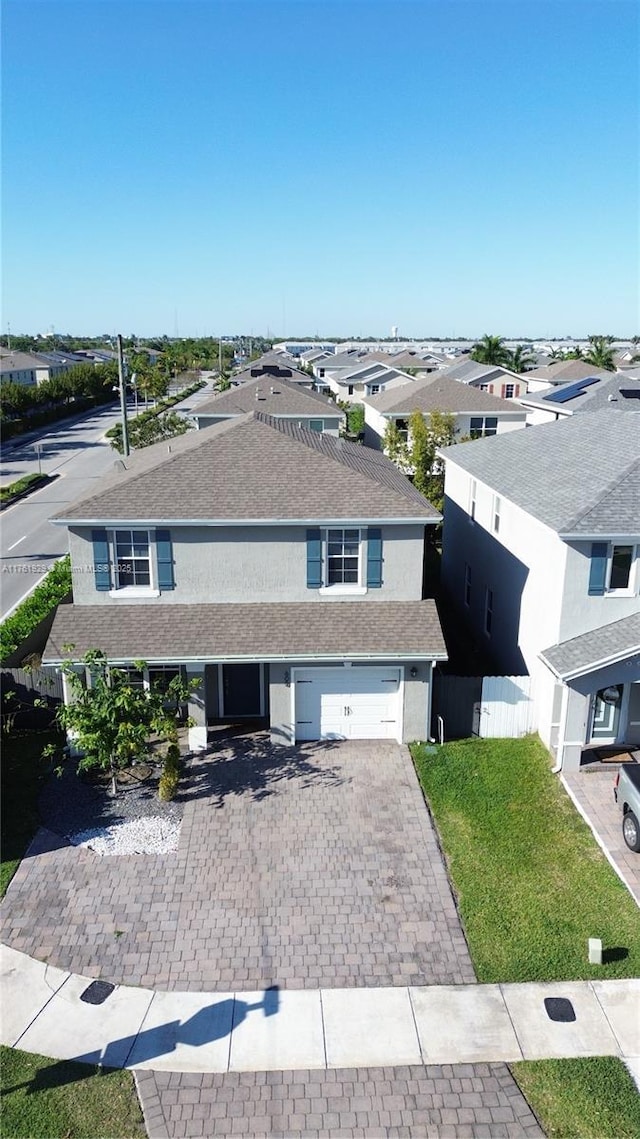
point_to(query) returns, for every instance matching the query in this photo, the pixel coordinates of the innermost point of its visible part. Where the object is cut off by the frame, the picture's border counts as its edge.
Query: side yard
(532, 887)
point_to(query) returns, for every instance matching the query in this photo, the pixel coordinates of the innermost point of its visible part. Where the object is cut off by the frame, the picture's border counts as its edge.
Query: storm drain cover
(560, 1009)
(97, 992)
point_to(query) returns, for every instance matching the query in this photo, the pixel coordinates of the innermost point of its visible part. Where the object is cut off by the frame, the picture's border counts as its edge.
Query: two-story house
(282, 567)
(477, 413)
(276, 397)
(541, 554)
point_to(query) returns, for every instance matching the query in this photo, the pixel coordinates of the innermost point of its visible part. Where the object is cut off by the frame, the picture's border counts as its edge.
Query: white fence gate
(507, 707)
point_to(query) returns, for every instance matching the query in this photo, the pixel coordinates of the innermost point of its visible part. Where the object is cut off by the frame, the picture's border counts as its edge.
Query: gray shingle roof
(469, 370)
(253, 467)
(272, 396)
(437, 393)
(605, 392)
(608, 643)
(562, 370)
(577, 475)
(313, 629)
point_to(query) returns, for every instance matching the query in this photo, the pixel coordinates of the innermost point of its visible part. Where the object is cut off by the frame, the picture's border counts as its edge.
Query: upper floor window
(473, 498)
(621, 567)
(509, 391)
(343, 557)
(350, 389)
(374, 389)
(316, 425)
(482, 425)
(132, 560)
(467, 585)
(497, 505)
(403, 428)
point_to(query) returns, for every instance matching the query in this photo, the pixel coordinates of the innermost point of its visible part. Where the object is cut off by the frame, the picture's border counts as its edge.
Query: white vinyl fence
(507, 707)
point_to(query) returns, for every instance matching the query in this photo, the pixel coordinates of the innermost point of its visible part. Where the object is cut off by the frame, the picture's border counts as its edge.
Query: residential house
(541, 555)
(32, 368)
(281, 567)
(278, 398)
(608, 389)
(492, 378)
(274, 365)
(477, 413)
(561, 372)
(353, 385)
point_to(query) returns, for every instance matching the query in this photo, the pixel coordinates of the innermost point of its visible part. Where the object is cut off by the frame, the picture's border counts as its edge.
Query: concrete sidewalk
(292, 1030)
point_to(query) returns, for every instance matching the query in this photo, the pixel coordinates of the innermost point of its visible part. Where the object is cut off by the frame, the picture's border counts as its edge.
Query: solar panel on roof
(630, 393)
(570, 390)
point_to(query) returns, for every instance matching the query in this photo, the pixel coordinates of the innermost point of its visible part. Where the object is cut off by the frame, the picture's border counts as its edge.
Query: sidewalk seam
(41, 1010)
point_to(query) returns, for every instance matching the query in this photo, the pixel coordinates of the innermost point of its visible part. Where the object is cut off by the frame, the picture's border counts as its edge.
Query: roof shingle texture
(270, 395)
(620, 638)
(158, 632)
(253, 467)
(577, 475)
(435, 392)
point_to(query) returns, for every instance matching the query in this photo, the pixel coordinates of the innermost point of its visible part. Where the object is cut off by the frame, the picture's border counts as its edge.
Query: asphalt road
(77, 453)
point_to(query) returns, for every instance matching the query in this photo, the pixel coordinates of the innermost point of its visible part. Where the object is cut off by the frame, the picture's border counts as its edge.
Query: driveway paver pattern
(594, 792)
(299, 867)
(460, 1101)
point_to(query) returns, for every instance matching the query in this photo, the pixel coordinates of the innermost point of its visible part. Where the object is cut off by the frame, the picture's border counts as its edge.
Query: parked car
(626, 791)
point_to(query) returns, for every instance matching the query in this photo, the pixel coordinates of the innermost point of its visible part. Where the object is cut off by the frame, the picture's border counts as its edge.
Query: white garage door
(348, 704)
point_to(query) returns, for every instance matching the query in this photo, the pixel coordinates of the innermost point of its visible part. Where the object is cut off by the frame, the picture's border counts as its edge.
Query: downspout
(562, 732)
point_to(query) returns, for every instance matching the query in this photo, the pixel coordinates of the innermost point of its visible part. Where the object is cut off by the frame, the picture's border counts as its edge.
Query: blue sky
(198, 167)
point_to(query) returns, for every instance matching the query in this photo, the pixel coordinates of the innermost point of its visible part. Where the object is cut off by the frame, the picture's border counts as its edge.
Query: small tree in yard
(425, 437)
(395, 446)
(111, 720)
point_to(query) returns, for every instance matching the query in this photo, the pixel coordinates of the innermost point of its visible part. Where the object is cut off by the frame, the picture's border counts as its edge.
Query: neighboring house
(560, 372)
(541, 555)
(476, 412)
(492, 378)
(281, 567)
(353, 385)
(31, 367)
(608, 389)
(278, 398)
(276, 366)
(332, 368)
(420, 362)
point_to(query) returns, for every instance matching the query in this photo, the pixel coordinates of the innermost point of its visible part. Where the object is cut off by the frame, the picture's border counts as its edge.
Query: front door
(606, 714)
(241, 691)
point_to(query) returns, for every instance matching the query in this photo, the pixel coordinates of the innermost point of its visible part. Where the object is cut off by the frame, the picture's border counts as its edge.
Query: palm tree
(520, 359)
(490, 350)
(600, 353)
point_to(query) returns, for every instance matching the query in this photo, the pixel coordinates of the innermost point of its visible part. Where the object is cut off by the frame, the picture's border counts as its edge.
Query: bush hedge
(151, 425)
(17, 488)
(45, 597)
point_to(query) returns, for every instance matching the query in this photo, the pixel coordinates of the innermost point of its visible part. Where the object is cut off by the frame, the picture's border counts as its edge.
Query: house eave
(279, 658)
(592, 666)
(240, 522)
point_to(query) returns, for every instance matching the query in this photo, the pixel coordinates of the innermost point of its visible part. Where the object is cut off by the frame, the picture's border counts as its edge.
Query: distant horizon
(310, 337)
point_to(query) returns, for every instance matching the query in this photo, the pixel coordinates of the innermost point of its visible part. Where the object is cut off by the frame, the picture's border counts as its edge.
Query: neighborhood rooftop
(594, 649)
(437, 393)
(580, 475)
(589, 394)
(272, 395)
(253, 467)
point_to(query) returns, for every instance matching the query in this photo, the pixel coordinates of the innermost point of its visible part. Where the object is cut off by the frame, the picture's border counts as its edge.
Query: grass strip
(62, 1099)
(532, 884)
(20, 486)
(585, 1098)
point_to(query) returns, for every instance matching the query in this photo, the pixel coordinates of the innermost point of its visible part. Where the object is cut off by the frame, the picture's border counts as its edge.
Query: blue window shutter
(374, 557)
(314, 559)
(164, 555)
(598, 572)
(101, 565)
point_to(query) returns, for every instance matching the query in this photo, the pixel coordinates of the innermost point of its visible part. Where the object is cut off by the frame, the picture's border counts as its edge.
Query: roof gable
(437, 393)
(271, 395)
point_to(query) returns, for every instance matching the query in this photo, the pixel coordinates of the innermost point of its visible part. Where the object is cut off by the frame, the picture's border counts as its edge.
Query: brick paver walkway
(461, 1101)
(304, 867)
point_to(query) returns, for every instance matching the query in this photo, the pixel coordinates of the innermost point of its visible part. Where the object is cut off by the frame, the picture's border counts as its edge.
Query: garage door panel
(355, 703)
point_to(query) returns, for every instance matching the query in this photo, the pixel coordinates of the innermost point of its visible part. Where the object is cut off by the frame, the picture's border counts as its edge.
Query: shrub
(45, 597)
(170, 777)
(15, 489)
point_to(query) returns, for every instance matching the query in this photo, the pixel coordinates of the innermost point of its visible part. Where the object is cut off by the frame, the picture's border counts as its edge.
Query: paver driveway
(299, 867)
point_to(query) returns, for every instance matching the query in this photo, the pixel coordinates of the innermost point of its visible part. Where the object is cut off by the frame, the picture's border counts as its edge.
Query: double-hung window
(132, 558)
(497, 504)
(473, 498)
(316, 425)
(343, 557)
(488, 611)
(467, 585)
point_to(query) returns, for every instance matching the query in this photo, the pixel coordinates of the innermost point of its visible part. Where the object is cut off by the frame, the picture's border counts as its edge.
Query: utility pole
(123, 398)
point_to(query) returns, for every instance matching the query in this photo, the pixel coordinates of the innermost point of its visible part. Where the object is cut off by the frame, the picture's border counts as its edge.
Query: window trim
(484, 432)
(319, 430)
(495, 514)
(129, 591)
(473, 499)
(358, 588)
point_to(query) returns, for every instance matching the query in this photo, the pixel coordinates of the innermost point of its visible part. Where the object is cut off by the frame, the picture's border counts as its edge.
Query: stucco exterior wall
(236, 564)
(580, 612)
(331, 423)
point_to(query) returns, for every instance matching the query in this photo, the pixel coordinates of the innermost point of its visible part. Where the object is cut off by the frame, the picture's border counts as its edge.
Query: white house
(541, 556)
(477, 413)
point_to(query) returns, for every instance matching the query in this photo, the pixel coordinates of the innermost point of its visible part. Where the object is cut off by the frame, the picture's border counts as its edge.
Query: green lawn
(532, 883)
(54, 1099)
(592, 1098)
(24, 773)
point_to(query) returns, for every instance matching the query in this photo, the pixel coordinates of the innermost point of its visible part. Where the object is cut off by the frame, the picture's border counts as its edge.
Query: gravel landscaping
(82, 810)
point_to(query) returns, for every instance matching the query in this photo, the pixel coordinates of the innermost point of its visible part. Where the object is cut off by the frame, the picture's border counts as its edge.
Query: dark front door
(240, 690)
